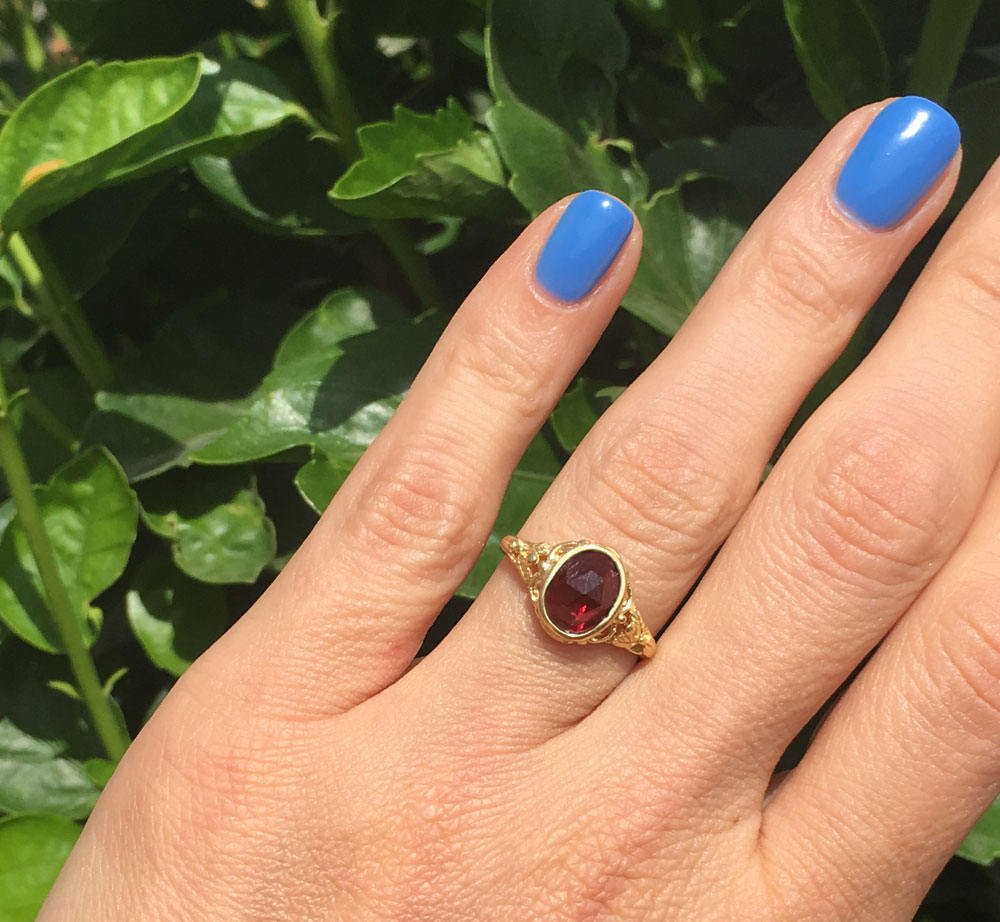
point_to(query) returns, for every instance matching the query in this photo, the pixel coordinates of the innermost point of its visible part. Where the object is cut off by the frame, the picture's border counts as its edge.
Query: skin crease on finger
(386, 813)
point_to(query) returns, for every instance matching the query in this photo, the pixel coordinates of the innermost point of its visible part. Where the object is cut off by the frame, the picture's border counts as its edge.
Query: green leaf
(559, 60)
(340, 315)
(100, 771)
(686, 250)
(47, 157)
(175, 618)
(756, 159)
(320, 478)
(421, 166)
(153, 432)
(333, 395)
(45, 738)
(214, 520)
(552, 69)
(529, 482)
(546, 164)
(188, 384)
(90, 515)
(336, 398)
(33, 850)
(35, 778)
(236, 105)
(841, 52)
(975, 108)
(982, 844)
(281, 185)
(577, 411)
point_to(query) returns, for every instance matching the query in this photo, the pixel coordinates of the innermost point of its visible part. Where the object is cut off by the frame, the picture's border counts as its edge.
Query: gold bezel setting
(561, 555)
(538, 563)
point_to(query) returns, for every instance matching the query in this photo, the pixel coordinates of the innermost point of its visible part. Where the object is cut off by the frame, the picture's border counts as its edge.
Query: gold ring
(581, 593)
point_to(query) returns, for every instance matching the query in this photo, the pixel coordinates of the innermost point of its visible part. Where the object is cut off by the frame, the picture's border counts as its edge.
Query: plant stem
(51, 423)
(15, 469)
(315, 33)
(942, 43)
(412, 263)
(30, 45)
(57, 308)
(43, 415)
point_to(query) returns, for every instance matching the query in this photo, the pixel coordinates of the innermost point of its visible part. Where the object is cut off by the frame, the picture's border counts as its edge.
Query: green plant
(212, 301)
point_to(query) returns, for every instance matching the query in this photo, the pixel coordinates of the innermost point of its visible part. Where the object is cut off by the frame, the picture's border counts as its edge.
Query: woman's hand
(302, 771)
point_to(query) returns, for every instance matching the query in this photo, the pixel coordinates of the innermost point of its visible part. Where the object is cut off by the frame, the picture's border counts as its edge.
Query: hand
(300, 770)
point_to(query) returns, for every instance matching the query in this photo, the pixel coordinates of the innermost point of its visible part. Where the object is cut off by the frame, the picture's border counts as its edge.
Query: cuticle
(844, 212)
(544, 296)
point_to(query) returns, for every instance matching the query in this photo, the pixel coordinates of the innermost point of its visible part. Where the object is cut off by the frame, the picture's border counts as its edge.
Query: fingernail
(901, 155)
(583, 245)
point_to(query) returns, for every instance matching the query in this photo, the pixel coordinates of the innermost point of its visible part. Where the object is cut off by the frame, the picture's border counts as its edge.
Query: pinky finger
(908, 759)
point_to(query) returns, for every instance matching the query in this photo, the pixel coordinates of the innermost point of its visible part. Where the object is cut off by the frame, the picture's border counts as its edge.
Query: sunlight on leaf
(32, 852)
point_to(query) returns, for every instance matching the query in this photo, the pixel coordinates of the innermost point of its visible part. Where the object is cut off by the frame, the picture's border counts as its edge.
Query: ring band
(581, 593)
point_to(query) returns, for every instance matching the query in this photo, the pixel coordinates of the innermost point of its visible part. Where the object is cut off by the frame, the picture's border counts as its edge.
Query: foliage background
(225, 256)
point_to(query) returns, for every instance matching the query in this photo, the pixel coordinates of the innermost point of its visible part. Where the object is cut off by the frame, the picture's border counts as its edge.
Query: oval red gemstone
(582, 591)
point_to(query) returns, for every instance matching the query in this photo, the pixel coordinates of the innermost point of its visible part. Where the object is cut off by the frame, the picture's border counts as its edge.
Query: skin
(306, 769)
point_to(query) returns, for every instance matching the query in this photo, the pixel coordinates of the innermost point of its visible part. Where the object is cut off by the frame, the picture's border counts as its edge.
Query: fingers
(670, 467)
(864, 507)
(348, 612)
(909, 754)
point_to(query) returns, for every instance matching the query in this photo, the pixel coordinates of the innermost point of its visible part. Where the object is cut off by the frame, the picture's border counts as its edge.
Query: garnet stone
(582, 591)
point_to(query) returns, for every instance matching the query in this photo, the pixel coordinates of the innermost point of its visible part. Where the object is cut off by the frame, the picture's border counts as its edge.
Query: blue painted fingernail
(583, 245)
(901, 155)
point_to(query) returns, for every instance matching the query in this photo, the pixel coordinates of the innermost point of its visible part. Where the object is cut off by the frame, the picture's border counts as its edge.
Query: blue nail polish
(583, 245)
(901, 155)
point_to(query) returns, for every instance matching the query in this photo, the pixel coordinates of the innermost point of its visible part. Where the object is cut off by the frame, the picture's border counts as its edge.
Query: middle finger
(668, 470)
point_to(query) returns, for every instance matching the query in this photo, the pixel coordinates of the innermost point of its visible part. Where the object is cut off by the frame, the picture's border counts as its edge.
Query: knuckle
(220, 758)
(878, 509)
(977, 271)
(491, 367)
(652, 476)
(587, 885)
(972, 277)
(592, 893)
(426, 816)
(969, 643)
(209, 780)
(421, 512)
(800, 283)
